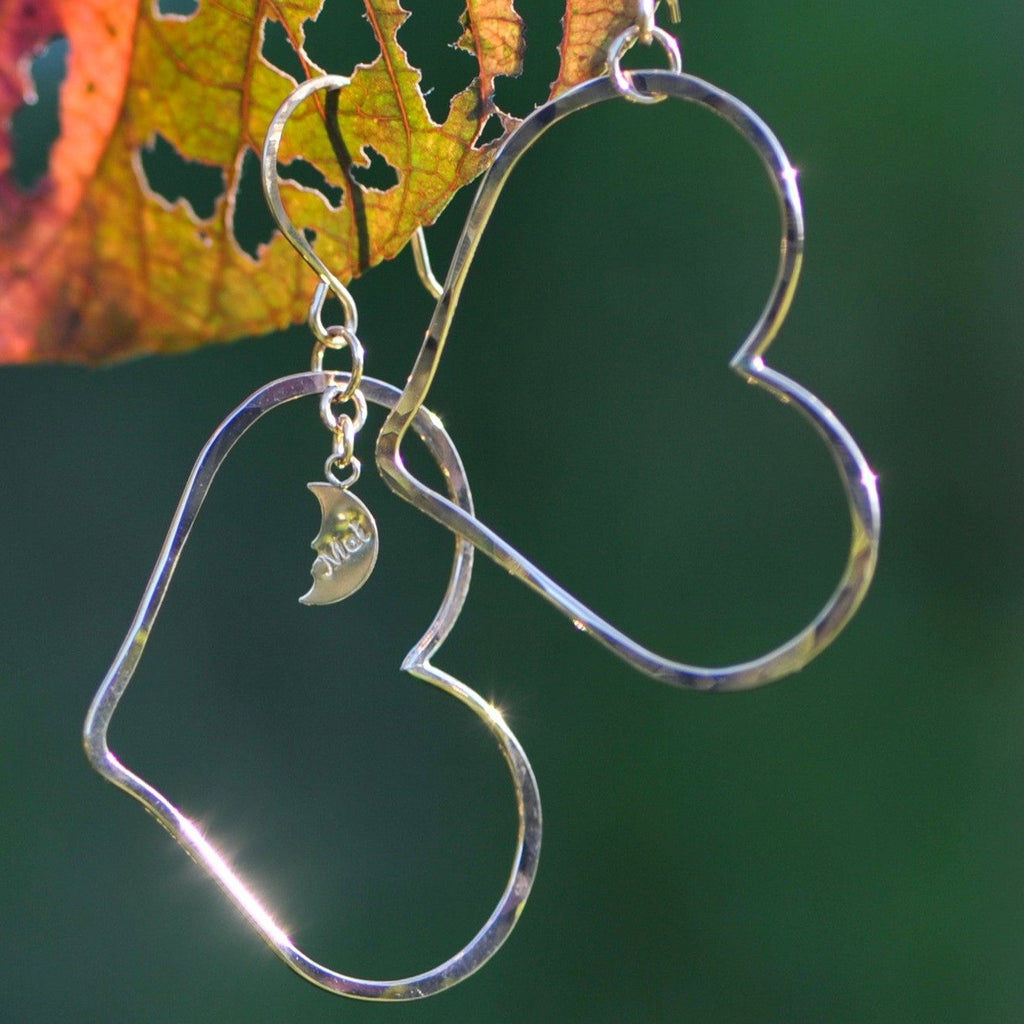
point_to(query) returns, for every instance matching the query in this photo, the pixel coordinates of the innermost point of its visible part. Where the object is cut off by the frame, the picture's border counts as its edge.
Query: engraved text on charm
(346, 546)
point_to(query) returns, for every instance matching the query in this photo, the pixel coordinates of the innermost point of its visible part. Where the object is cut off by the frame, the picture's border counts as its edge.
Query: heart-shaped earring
(346, 548)
(858, 480)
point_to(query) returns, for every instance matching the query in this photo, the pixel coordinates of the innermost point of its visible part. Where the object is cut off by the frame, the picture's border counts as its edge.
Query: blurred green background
(843, 846)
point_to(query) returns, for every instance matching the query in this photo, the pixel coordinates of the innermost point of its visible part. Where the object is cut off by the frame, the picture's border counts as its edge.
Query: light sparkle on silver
(417, 662)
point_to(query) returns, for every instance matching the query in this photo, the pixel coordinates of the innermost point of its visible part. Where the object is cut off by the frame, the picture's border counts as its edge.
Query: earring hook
(272, 190)
(272, 186)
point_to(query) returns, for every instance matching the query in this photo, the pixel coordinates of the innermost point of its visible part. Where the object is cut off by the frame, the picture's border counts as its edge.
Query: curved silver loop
(623, 79)
(339, 338)
(315, 316)
(338, 393)
(858, 480)
(190, 835)
(272, 190)
(424, 270)
(342, 461)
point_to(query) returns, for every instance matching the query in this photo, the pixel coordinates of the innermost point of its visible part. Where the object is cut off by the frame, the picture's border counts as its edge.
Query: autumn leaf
(36, 243)
(493, 33)
(587, 29)
(96, 263)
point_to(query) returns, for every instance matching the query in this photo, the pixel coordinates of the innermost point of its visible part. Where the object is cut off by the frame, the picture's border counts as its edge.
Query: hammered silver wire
(859, 482)
(188, 833)
(331, 386)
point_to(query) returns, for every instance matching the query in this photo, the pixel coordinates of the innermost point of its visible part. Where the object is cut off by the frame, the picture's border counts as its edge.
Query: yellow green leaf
(97, 262)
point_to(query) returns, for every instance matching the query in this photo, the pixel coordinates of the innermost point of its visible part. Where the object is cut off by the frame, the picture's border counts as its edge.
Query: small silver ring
(316, 362)
(342, 393)
(353, 465)
(623, 79)
(338, 339)
(336, 393)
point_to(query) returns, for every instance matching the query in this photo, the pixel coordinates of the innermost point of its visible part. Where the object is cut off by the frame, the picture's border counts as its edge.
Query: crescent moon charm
(346, 546)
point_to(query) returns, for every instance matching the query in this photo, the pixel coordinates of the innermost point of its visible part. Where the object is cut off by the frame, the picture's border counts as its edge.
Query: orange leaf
(24, 28)
(38, 240)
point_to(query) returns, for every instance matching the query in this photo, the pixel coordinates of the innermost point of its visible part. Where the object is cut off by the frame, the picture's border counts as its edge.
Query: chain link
(337, 339)
(343, 425)
(625, 42)
(335, 394)
(353, 466)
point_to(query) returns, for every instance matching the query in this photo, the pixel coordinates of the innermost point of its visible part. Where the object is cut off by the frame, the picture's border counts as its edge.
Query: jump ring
(623, 79)
(360, 401)
(316, 362)
(335, 394)
(338, 339)
(354, 469)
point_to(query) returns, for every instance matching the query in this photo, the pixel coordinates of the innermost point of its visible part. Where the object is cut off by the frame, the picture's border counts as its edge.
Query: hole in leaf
(493, 129)
(340, 38)
(379, 175)
(305, 173)
(428, 37)
(179, 10)
(540, 63)
(35, 125)
(278, 51)
(252, 223)
(172, 177)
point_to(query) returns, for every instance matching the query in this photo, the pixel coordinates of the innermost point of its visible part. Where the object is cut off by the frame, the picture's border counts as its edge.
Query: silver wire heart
(858, 480)
(188, 834)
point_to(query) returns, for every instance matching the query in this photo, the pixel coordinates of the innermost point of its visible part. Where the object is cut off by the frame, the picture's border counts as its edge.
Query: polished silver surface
(858, 480)
(418, 662)
(424, 270)
(272, 190)
(623, 43)
(346, 546)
